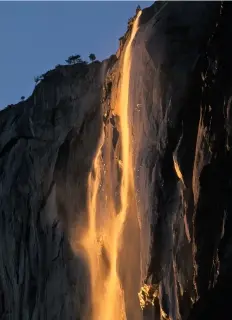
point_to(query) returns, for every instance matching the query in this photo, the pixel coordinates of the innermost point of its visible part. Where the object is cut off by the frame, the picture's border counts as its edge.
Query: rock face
(44, 162)
(181, 120)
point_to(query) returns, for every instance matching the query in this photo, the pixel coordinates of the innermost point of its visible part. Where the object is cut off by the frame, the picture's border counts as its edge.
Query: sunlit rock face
(180, 138)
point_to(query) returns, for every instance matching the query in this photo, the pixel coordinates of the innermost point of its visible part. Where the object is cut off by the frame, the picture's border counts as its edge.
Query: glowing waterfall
(101, 243)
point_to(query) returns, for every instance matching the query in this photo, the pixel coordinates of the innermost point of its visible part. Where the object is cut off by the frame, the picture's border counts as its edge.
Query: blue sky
(36, 36)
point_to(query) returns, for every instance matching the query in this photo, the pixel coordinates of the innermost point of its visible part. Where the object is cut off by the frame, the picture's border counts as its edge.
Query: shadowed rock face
(45, 158)
(181, 121)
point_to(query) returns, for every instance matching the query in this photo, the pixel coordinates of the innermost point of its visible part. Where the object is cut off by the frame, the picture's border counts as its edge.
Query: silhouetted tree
(69, 60)
(22, 98)
(74, 59)
(77, 59)
(138, 9)
(92, 57)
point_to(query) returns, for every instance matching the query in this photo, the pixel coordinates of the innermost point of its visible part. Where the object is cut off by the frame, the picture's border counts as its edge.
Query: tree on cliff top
(74, 59)
(138, 9)
(92, 57)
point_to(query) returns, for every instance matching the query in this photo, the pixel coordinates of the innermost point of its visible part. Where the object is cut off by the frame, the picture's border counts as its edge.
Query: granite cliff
(180, 98)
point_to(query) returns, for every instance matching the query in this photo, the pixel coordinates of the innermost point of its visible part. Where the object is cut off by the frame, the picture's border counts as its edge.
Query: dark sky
(36, 36)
